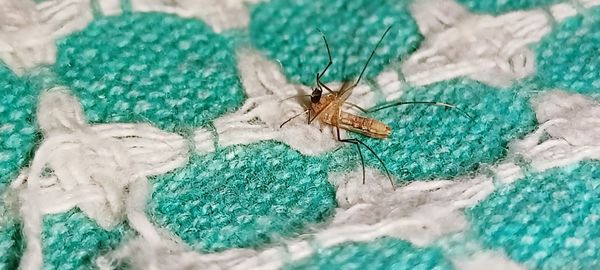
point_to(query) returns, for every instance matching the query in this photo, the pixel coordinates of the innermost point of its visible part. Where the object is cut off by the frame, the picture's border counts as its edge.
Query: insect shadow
(327, 108)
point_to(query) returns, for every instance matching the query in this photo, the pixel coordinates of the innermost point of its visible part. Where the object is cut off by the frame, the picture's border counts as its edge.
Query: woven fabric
(565, 55)
(136, 70)
(72, 240)
(380, 254)
(18, 131)
(439, 143)
(523, 218)
(147, 134)
(352, 29)
(292, 192)
(498, 7)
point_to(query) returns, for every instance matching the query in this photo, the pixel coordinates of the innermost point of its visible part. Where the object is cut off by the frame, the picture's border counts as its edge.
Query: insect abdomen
(366, 126)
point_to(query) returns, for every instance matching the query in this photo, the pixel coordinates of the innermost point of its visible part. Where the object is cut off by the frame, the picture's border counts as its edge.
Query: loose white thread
(419, 208)
(487, 260)
(420, 212)
(203, 141)
(138, 254)
(569, 131)
(562, 11)
(109, 7)
(220, 14)
(486, 48)
(434, 16)
(490, 49)
(390, 85)
(507, 172)
(28, 31)
(468, 253)
(100, 169)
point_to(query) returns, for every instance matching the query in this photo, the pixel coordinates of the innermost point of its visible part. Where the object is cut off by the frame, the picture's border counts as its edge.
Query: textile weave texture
(147, 134)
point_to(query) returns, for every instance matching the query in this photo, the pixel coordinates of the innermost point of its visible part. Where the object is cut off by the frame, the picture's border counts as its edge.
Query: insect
(328, 109)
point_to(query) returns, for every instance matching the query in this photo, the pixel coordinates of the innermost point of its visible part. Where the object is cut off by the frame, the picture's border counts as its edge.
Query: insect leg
(328, 54)
(358, 142)
(291, 118)
(321, 84)
(357, 107)
(433, 103)
(387, 172)
(296, 96)
(355, 142)
(371, 56)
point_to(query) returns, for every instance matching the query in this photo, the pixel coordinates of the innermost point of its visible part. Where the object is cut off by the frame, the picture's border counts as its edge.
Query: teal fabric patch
(434, 142)
(17, 126)
(151, 67)
(384, 253)
(9, 246)
(287, 32)
(568, 57)
(10, 240)
(72, 241)
(243, 196)
(547, 220)
(503, 6)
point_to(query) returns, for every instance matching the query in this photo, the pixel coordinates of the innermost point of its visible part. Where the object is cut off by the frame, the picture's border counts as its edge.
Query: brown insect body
(329, 111)
(365, 126)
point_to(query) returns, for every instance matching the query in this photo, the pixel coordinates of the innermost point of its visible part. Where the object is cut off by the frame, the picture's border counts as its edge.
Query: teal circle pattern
(287, 32)
(548, 220)
(435, 142)
(151, 67)
(380, 254)
(9, 246)
(73, 241)
(17, 124)
(568, 57)
(10, 240)
(503, 6)
(243, 196)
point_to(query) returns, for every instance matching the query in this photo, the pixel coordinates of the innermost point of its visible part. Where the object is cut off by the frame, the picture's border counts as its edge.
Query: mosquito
(328, 109)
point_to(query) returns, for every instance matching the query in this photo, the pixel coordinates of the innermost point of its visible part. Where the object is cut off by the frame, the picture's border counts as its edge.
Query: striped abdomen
(363, 125)
(354, 123)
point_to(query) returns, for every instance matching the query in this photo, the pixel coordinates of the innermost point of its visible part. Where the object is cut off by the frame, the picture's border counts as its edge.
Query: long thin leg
(353, 141)
(357, 107)
(387, 172)
(434, 103)
(371, 56)
(320, 83)
(296, 96)
(362, 161)
(328, 54)
(293, 117)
